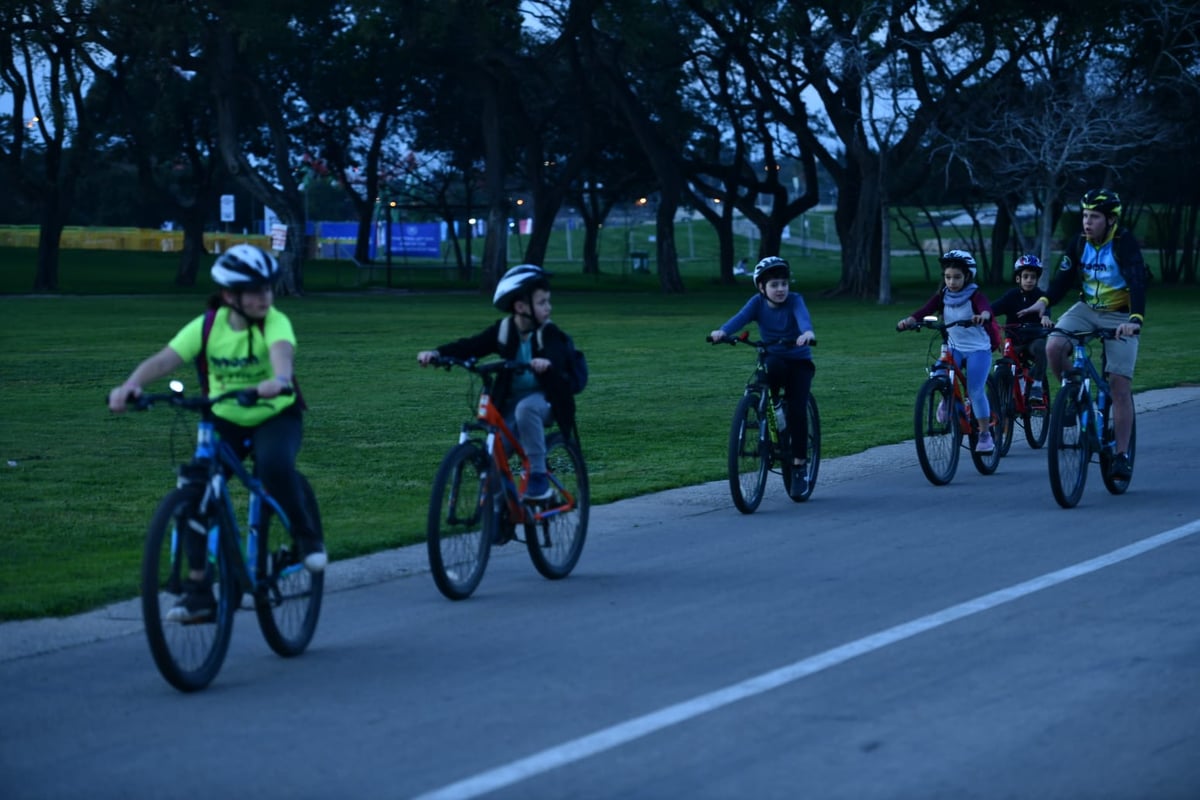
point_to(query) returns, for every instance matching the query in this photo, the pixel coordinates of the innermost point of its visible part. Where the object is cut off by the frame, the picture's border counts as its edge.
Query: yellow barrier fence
(125, 239)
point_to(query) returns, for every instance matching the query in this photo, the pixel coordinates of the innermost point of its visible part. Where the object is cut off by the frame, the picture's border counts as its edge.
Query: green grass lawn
(78, 484)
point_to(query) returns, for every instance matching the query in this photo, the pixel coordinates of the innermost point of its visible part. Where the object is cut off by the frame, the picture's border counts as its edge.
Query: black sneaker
(1036, 395)
(799, 486)
(1122, 467)
(195, 606)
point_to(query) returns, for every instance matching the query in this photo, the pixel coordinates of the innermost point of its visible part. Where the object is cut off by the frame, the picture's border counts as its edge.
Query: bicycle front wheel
(1068, 453)
(935, 427)
(188, 654)
(749, 453)
(1037, 420)
(986, 463)
(555, 540)
(461, 520)
(288, 596)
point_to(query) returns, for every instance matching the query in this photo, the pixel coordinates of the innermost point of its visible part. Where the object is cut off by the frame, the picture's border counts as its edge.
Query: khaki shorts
(1120, 354)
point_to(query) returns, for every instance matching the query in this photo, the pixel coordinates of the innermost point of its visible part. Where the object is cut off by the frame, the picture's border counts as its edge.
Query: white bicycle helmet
(768, 267)
(245, 266)
(519, 280)
(959, 257)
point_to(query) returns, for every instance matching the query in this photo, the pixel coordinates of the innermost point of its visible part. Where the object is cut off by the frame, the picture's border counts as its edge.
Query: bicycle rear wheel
(935, 427)
(1005, 408)
(555, 541)
(986, 463)
(1116, 485)
(188, 654)
(461, 520)
(749, 453)
(288, 597)
(1068, 452)
(1036, 419)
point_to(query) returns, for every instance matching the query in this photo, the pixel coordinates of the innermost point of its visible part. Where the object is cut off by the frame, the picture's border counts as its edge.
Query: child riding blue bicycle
(244, 342)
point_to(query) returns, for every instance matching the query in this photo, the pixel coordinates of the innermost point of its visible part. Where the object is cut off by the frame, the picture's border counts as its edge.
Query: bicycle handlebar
(146, 400)
(473, 365)
(1083, 337)
(745, 339)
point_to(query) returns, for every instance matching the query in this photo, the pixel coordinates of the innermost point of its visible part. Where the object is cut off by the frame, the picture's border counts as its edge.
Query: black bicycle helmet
(245, 266)
(1027, 261)
(771, 267)
(961, 258)
(518, 282)
(1106, 201)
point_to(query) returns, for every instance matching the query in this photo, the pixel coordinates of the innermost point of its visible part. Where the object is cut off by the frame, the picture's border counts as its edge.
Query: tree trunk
(49, 242)
(665, 251)
(857, 220)
(193, 245)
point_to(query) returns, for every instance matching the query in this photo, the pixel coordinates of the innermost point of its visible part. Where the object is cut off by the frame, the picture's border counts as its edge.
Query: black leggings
(275, 444)
(795, 377)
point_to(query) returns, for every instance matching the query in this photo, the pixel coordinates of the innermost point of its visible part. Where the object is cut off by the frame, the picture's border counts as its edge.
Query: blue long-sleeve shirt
(784, 322)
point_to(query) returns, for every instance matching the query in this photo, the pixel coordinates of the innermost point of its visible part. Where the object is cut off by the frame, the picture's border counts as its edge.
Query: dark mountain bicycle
(1014, 378)
(943, 414)
(1082, 423)
(757, 445)
(286, 597)
(477, 503)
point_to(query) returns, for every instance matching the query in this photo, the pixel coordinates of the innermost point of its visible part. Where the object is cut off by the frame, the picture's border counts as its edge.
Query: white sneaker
(985, 443)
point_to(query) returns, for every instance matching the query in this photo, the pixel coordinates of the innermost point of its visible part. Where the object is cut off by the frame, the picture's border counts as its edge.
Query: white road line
(626, 732)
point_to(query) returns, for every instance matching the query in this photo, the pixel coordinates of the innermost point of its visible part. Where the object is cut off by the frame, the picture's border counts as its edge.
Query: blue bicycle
(1081, 423)
(286, 596)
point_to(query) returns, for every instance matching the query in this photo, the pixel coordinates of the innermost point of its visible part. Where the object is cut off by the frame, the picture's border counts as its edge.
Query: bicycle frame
(501, 444)
(1019, 371)
(1080, 378)
(218, 459)
(945, 368)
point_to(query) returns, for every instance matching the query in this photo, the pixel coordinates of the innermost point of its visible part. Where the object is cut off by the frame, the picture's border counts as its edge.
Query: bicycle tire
(812, 453)
(288, 598)
(749, 453)
(462, 517)
(556, 541)
(1005, 408)
(986, 463)
(188, 655)
(1068, 449)
(1117, 485)
(1036, 421)
(937, 441)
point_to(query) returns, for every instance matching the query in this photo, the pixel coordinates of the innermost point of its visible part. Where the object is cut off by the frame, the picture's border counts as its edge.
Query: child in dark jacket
(529, 399)
(1029, 340)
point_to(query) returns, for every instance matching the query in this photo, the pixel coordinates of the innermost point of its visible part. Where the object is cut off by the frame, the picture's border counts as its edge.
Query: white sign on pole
(226, 208)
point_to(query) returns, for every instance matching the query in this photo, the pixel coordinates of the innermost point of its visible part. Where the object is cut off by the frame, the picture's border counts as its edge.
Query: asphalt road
(887, 639)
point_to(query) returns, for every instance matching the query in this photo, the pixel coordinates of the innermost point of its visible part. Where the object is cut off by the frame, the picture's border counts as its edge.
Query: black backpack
(577, 367)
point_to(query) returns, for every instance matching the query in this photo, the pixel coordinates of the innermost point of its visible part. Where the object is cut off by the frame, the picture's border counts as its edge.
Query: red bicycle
(1013, 374)
(943, 414)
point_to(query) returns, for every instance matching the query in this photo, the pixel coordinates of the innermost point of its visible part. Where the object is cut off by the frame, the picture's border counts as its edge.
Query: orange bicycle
(476, 501)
